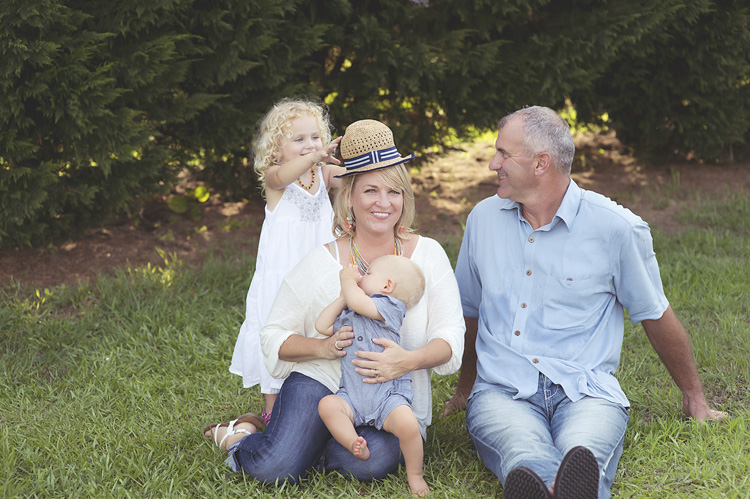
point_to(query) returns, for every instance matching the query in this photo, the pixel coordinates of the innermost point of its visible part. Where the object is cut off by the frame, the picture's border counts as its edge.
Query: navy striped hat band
(371, 157)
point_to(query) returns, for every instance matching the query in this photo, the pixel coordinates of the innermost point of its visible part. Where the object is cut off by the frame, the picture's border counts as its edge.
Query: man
(545, 269)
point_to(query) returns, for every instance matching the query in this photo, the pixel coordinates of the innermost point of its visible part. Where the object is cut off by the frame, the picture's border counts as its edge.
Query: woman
(374, 211)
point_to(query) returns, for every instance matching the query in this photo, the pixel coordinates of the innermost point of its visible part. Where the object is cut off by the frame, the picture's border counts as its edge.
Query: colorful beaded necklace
(362, 265)
(308, 187)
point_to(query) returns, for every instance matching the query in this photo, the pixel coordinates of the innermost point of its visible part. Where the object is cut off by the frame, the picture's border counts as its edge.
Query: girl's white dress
(300, 222)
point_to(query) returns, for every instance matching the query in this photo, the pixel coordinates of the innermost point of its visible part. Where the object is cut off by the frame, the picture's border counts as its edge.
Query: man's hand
(672, 344)
(697, 408)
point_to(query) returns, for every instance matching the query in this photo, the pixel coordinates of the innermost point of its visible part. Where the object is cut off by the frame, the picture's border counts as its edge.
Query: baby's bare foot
(418, 486)
(360, 450)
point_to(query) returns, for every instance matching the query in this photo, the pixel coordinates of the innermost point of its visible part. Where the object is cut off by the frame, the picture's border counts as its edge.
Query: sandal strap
(230, 427)
(233, 432)
(216, 434)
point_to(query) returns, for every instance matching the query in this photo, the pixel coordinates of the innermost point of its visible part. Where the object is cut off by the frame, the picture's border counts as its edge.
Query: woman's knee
(272, 469)
(384, 456)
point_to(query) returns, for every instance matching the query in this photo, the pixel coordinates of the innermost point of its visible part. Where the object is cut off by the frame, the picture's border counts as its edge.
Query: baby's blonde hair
(276, 126)
(407, 275)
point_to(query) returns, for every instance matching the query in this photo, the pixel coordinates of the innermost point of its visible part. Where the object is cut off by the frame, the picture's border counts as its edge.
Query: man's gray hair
(545, 131)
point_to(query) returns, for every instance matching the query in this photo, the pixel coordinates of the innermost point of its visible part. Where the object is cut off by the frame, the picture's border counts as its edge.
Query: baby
(375, 306)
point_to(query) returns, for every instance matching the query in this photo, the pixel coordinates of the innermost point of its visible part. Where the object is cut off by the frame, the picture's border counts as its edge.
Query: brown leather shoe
(578, 476)
(523, 483)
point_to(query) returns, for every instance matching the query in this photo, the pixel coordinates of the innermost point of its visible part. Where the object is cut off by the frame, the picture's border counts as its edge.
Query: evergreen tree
(684, 90)
(103, 103)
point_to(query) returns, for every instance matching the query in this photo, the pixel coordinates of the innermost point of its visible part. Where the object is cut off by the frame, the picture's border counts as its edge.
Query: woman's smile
(376, 205)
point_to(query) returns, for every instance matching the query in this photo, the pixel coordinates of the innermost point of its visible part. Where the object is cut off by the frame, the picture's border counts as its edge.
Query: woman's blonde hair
(395, 177)
(276, 126)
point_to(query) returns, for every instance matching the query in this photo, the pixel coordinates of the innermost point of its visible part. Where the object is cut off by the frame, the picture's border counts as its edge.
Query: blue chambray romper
(372, 402)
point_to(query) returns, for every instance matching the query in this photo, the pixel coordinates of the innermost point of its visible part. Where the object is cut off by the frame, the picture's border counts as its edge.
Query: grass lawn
(106, 386)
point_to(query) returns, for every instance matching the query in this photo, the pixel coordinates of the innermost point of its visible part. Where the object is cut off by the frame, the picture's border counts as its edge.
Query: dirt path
(447, 187)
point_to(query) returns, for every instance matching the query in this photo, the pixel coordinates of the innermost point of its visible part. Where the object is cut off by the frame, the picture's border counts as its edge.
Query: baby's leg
(339, 419)
(402, 423)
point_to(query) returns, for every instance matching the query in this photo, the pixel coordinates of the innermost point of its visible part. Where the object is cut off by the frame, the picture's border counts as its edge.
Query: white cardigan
(314, 283)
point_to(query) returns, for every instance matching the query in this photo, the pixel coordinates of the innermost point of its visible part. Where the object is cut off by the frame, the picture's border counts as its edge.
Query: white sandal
(251, 418)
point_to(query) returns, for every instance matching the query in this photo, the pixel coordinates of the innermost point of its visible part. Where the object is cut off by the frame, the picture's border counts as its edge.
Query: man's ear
(543, 163)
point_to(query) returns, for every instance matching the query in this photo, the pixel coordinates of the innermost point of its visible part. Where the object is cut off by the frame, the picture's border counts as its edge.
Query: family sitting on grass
(353, 326)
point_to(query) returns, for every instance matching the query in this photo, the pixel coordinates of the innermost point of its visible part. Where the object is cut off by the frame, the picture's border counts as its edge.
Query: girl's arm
(324, 322)
(329, 173)
(280, 176)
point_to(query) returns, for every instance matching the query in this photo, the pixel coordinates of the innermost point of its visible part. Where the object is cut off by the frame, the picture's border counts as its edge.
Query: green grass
(105, 387)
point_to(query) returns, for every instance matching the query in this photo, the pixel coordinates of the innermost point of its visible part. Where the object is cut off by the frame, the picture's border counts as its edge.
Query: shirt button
(523, 305)
(359, 338)
(517, 333)
(528, 272)
(531, 239)
(535, 361)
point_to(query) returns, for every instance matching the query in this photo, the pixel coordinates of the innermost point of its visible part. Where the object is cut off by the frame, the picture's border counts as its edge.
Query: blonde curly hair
(276, 126)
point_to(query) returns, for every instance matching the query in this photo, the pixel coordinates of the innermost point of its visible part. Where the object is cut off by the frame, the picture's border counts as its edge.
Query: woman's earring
(349, 221)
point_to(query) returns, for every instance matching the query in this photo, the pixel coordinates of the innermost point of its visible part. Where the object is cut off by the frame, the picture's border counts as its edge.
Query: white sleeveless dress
(300, 222)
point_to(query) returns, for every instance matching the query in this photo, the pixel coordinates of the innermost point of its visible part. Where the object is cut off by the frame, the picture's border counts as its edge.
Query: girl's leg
(294, 440)
(269, 387)
(402, 423)
(270, 398)
(339, 419)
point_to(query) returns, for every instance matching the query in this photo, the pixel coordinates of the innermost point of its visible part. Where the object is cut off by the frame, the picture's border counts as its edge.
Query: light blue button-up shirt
(551, 300)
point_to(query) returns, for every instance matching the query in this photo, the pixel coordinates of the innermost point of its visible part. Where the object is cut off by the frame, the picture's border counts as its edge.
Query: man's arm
(672, 344)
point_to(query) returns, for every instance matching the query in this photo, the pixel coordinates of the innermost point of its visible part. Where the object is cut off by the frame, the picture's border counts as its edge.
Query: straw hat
(368, 145)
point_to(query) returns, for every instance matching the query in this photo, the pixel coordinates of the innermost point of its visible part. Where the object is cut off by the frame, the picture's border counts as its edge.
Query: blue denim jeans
(537, 432)
(296, 441)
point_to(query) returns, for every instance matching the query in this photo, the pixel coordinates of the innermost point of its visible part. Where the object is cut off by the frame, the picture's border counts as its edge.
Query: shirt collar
(566, 212)
(569, 207)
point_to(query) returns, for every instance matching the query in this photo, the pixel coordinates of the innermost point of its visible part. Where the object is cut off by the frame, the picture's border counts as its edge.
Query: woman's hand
(334, 345)
(377, 367)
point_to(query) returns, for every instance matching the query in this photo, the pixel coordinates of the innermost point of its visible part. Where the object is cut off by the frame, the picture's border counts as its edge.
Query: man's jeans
(537, 432)
(296, 438)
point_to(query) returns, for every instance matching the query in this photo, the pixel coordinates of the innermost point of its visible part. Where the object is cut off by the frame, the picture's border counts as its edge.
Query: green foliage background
(103, 103)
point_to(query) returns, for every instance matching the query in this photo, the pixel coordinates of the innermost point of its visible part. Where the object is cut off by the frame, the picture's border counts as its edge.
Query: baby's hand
(349, 273)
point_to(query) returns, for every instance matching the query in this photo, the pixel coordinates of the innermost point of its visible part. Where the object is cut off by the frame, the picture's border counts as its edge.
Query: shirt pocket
(574, 304)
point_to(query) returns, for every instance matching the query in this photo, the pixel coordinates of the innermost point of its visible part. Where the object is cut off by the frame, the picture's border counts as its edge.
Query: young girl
(293, 154)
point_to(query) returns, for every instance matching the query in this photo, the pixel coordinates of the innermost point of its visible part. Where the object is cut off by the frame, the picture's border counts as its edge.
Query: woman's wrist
(412, 361)
(298, 348)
